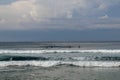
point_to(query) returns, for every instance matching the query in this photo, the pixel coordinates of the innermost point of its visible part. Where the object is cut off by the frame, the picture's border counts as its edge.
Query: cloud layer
(58, 14)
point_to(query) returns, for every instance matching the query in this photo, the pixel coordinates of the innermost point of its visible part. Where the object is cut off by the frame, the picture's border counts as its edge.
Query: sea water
(39, 59)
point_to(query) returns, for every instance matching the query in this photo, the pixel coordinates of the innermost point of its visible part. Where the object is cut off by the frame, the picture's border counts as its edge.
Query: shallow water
(62, 72)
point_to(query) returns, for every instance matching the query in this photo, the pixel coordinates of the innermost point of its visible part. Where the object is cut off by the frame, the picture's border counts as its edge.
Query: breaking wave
(60, 51)
(41, 58)
(49, 61)
(58, 63)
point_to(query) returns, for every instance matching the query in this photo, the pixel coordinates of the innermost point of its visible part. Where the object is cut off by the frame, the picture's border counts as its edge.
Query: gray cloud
(57, 14)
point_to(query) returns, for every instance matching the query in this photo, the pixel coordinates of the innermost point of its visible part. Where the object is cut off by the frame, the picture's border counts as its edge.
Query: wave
(21, 58)
(58, 63)
(41, 58)
(60, 51)
(53, 58)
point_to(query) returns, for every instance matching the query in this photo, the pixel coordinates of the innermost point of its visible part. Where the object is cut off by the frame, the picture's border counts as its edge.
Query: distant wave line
(61, 51)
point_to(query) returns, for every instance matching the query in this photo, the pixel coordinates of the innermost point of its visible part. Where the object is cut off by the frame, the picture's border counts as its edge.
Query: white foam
(54, 63)
(95, 63)
(79, 58)
(59, 51)
(30, 63)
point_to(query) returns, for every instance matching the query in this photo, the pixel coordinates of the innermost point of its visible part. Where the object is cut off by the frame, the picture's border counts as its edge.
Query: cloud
(104, 17)
(49, 14)
(2, 20)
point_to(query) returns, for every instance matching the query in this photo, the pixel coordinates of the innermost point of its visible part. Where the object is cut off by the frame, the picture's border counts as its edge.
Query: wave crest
(59, 51)
(57, 63)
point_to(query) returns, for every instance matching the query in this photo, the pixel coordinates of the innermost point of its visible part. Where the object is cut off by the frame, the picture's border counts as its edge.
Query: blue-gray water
(59, 60)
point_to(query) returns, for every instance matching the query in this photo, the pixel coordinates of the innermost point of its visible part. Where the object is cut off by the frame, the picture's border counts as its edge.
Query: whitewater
(59, 51)
(58, 63)
(79, 61)
(56, 54)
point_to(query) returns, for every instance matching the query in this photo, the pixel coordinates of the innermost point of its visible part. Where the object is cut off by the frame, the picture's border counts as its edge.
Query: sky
(59, 20)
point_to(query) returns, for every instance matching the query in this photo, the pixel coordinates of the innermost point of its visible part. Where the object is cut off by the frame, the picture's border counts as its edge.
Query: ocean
(59, 60)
